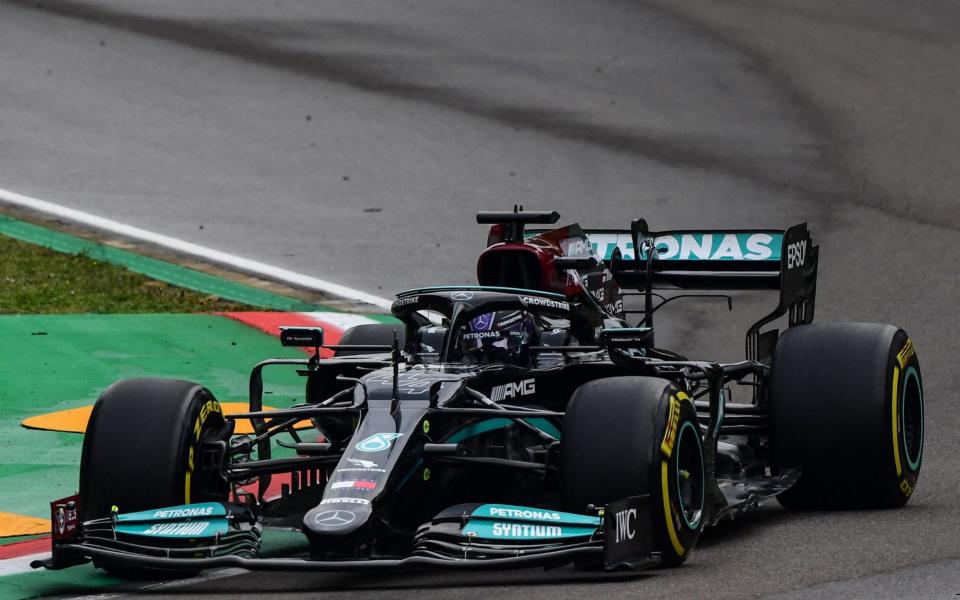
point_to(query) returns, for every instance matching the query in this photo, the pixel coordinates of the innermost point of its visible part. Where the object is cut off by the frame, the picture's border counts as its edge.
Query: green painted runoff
(56, 362)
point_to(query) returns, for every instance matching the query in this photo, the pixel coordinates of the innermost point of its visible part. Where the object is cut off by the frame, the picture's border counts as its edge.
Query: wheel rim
(911, 418)
(690, 481)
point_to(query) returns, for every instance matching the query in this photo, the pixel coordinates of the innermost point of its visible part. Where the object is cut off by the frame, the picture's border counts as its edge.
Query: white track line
(163, 585)
(191, 249)
(20, 564)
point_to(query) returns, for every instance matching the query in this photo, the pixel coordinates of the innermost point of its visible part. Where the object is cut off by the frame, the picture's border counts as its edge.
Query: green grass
(34, 280)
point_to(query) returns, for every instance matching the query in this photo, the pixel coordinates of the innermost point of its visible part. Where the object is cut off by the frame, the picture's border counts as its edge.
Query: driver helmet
(499, 336)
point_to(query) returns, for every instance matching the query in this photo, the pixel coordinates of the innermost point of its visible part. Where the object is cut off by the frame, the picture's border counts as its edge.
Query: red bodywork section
(526, 265)
(64, 517)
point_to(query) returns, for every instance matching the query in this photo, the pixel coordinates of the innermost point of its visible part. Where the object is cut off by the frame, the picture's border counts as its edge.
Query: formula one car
(522, 421)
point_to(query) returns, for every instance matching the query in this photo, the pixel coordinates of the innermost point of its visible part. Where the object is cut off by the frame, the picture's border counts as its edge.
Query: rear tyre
(628, 436)
(846, 406)
(142, 447)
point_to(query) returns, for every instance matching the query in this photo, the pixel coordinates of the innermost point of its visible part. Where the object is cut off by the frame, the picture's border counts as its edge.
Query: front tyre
(629, 436)
(142, 448)
(846, 406)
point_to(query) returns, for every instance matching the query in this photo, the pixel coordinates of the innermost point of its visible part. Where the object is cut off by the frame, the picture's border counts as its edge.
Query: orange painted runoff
(13, 525)
(75, 420)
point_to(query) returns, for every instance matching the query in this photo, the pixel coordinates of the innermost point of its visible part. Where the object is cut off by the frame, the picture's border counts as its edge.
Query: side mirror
(308, 337)
(626, 337)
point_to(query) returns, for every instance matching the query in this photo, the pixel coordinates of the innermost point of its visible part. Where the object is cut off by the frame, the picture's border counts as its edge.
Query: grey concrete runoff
(353, 141)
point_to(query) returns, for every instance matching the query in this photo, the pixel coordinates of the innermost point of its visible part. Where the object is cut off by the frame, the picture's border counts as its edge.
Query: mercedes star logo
(461, 295)
(334, 518)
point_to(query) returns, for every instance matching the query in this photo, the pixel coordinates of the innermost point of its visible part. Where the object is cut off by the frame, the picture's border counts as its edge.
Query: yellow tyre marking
(667, 514)
(893, 411)
(906, 353)
(187, 477)
(670, 431)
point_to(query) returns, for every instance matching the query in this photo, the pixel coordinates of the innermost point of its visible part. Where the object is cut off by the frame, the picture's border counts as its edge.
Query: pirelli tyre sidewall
(628, 436)
(907, 430)
(679, 485)
(142, 447)
(846, 407)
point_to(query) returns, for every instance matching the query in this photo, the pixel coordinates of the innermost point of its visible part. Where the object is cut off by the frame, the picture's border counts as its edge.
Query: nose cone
(336, 519)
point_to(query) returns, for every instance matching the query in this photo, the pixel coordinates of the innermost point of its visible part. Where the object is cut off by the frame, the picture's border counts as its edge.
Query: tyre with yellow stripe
(846, 407)
(142, 447)
(629, 436)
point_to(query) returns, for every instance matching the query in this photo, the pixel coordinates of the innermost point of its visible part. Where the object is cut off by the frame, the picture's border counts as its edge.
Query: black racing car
(520, 421)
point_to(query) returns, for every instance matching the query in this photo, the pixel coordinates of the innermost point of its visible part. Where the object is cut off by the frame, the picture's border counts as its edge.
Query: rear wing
(722, 259)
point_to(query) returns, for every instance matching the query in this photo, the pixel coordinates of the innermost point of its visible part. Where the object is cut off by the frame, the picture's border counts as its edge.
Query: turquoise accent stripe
(913, 464)
(699, 511)
(479, 428)
(545, 426)
(475, 429)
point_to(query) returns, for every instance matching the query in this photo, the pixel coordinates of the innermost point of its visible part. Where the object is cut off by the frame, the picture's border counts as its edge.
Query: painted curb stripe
(18, 549)
(196, 250)
(343, 321)
(333, 323)
(167, 272)
(270, 322)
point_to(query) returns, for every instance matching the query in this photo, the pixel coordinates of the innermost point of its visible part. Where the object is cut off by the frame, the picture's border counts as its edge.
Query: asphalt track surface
(353, 142)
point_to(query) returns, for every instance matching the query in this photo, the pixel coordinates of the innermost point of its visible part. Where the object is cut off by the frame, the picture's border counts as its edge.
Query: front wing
(470, 537)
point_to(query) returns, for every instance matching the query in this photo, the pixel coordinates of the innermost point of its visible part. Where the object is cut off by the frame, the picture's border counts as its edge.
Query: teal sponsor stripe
(693, 245)
(186, 529)
(176, 513)
(503, 530)
(697, 246)
(508, 512)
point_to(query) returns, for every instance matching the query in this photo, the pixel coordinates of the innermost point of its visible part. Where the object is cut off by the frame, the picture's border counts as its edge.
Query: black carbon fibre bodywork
(397, 438)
